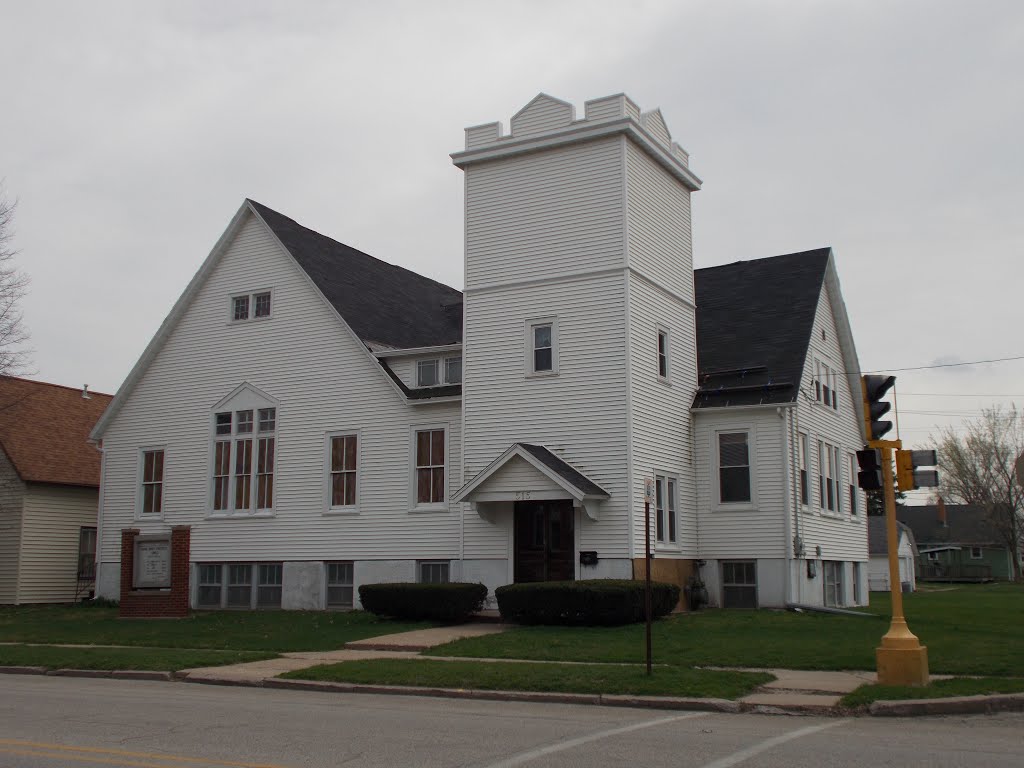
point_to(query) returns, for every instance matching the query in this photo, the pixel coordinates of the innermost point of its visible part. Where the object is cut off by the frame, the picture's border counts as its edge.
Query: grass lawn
(572, 678)
(957, 686)
(90, 624)
(969, 630)
(163, 659)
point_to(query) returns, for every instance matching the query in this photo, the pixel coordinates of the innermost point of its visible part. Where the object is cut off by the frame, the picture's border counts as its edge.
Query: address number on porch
(524, 495)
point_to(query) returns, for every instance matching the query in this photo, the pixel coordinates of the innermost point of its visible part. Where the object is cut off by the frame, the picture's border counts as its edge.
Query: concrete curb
(954, 705)
(22, 670)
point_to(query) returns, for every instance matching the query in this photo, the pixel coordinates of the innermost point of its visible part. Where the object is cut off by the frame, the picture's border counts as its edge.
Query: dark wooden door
(544, 541)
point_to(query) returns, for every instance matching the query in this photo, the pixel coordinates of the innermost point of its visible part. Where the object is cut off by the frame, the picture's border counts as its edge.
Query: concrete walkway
(792, 690)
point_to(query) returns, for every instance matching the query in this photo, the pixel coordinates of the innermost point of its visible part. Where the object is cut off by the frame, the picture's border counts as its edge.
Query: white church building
(323, 419)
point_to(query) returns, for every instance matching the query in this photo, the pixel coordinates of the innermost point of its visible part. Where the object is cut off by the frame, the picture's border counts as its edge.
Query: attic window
(250, 306)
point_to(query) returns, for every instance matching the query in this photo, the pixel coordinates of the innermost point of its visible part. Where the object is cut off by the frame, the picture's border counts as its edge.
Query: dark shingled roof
(878, 535)
(965, 524)
(564, 470)
(385, 305)
(754, 323)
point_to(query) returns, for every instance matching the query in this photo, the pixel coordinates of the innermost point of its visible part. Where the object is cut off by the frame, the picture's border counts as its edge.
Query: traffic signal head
(874, 389)
(870, 476)
(909, 477)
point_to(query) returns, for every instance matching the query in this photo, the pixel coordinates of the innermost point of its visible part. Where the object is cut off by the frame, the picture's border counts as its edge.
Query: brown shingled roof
(44, 430)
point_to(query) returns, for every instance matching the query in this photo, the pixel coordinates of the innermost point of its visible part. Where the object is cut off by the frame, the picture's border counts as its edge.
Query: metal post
(901, 658)
(647, 572)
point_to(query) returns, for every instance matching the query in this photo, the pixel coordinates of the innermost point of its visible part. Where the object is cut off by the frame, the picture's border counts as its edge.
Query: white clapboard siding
(12, 492)
(519, 475)
(580, 413)
(660, 409)
(660, 245)
(841, 536)
(541, 115)
(545, 214)
(54, 517)
(756, 532)
(323, 381)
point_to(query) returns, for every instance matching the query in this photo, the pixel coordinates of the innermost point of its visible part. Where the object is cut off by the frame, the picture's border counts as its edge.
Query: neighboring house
(957, 542)
(322, 419)
(49, 481)
(878, 547)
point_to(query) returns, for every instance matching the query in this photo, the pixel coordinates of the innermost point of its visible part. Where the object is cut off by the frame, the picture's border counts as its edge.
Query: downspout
(797, 500)
(786, 435)
(98, 445)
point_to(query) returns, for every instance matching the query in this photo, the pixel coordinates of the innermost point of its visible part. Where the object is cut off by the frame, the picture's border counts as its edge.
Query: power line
(944, 365)
(951, 394)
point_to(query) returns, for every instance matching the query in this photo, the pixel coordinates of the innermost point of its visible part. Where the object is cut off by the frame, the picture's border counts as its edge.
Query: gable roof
(878, 535)
(754, 323)
(965, 524)
(44, 430)
(385, 305)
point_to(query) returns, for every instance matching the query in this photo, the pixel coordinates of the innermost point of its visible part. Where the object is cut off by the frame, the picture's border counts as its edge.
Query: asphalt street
(53, 721)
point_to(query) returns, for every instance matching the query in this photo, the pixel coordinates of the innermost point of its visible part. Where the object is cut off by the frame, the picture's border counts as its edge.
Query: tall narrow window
(804, 460)
(659, 507)
(663, 354)
(453, 370)
(343, 471)
(670, 498)
(243, 460)
(152, 482)
(543, 348)
(430, 457)
(821, 474)
(733, 467)
(853, 484)
(837, 467)
(825, 385)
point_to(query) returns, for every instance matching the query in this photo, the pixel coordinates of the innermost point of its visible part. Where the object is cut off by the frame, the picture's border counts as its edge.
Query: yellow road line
(63, 748)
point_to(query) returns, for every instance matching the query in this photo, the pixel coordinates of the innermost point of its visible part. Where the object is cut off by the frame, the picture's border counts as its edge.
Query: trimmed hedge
(420, 602)
(588, 602)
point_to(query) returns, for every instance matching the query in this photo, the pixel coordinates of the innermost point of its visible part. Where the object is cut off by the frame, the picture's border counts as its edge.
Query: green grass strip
(561, 678)
(161, 659)
(91, 624)
(940, 689)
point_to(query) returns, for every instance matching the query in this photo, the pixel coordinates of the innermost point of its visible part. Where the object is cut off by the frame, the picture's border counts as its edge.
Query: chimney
(85, 392)
(942, 513)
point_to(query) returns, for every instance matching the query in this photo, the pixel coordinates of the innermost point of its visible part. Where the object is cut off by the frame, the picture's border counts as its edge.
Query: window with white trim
(666, 504)
(825, 385)
(662, 353)
(426, 373)
(87, 553)
(933, 556)
(429, 465)
(342, 465)
(151, 494)
(852, 483)
(239, 585)
(835, 591)
(433, 572)
(453, 370)
(734, 467)
(243, 460)
(542, 346)
(804, 458)
(828, 477)
(339, 585)
(250, 306)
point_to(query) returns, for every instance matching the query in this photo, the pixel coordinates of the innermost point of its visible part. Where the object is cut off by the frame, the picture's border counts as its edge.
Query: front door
(544, 541)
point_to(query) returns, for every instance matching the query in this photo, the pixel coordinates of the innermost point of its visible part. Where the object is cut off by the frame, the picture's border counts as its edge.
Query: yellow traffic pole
(901, 659)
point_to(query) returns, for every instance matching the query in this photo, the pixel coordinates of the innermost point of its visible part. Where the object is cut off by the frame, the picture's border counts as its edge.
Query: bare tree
(977, 467)
(13, 285)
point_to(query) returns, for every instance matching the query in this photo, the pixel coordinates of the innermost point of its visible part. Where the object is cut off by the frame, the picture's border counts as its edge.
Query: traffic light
(909, 477)
(870, 476)
(874, 389)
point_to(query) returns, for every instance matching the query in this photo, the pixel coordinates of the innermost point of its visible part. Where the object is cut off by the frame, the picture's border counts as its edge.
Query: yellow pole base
(902, 665)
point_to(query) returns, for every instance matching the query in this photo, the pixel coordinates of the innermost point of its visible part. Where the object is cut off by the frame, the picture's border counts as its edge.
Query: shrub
(589, 602)
(437, 602)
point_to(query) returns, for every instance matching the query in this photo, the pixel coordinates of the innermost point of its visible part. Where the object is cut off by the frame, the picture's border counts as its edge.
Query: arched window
(244, 440)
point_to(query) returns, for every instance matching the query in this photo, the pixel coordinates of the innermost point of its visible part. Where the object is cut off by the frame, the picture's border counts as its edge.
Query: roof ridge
(51, 384)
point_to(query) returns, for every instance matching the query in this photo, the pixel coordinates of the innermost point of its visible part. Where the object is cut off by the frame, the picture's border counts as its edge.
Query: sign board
(648, 489)
(152, 562)
(1020, 469)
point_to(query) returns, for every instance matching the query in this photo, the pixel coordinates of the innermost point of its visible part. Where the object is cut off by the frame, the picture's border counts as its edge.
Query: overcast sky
(891, 131)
